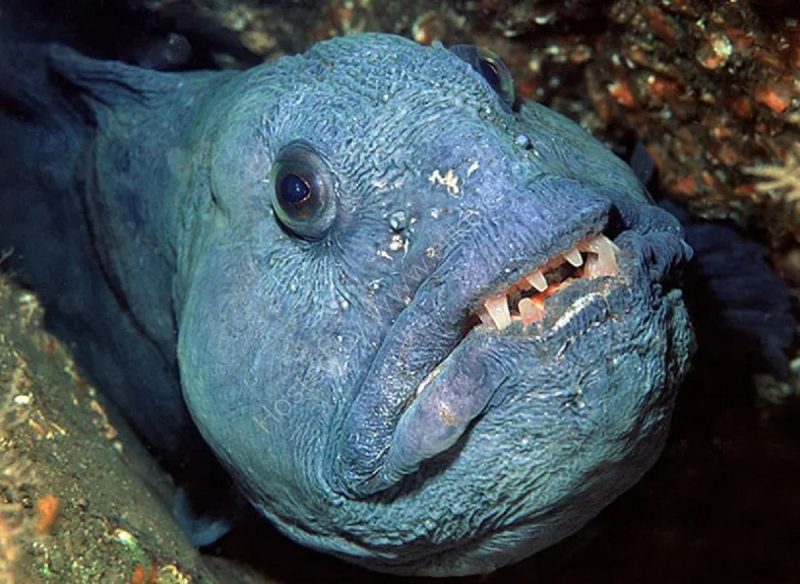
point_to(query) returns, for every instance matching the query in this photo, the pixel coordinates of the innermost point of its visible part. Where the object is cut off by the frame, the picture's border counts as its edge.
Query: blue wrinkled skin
(299, 359)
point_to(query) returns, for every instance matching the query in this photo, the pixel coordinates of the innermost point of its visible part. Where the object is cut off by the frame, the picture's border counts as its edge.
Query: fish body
(425, 327)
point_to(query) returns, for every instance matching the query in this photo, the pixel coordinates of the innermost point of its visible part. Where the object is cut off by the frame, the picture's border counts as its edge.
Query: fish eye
(491, 73)
(294, 190)
(302, 191)
(491, 68)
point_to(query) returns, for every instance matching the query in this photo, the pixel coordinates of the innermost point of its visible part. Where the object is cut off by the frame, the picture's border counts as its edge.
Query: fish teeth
(497, 307)
(529, 311)
(605, 261)
(601, 260)
(537, 280)
(574, 258)
(483, 314)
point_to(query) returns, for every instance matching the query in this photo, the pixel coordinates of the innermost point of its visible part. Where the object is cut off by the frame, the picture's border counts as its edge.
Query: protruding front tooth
(529, 312)
(537, 280)
(574, 257)
(602, 243)
(497, 307)
(606, 262)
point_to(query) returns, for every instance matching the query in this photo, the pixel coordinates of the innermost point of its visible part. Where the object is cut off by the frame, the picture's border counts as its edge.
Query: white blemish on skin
(573, 311)
(430, 377)
(384, 254)
(449, 180)
(472, 168)
(397, 243)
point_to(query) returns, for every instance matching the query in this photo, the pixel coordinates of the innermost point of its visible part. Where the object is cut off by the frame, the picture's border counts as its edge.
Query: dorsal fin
(111, 83)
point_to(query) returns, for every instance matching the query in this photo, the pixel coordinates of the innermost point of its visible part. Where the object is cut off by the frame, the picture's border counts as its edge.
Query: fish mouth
(434, 373)
(530, 300)
(527, 300)
(419, 402)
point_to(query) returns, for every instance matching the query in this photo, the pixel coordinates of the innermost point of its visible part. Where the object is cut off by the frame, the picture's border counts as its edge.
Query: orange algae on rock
(47, 508)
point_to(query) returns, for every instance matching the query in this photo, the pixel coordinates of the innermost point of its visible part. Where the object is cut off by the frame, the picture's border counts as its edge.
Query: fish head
(427, 327)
